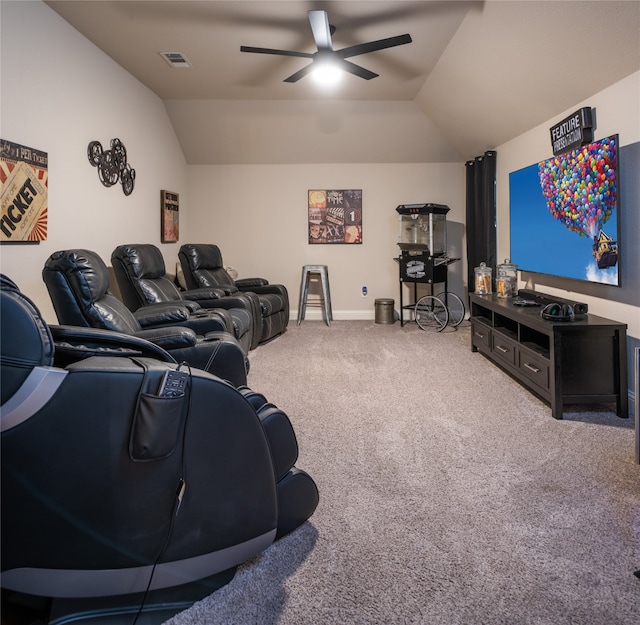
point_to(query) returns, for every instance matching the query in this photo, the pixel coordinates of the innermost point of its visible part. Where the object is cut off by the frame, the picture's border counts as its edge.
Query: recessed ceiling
(511, 63)
(210, 34)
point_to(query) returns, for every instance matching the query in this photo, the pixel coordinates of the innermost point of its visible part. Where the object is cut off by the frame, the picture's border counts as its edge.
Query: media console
(577, 362)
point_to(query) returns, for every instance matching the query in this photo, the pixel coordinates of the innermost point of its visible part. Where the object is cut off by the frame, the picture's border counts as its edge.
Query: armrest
(169, 337)
(230, 290)
(247, 283)
(203, 293)
(161, 314)
(191, 306)
(219, 290)
(225, 320)
(75, 343)
(239, 300)
(277, 289)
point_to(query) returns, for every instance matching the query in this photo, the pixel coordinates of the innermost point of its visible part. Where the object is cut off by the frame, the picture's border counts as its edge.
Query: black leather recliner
(78, 284)
(142, 280)
(202, 267)
(109, 490)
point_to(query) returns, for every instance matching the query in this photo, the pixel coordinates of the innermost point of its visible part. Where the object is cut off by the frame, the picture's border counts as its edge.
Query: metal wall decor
(112, 165)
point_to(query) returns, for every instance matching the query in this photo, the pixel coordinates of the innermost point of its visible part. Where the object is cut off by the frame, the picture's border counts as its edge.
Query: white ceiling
(477, 73)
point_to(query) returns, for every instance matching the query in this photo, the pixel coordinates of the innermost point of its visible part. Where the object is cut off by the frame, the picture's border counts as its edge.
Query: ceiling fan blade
(356, 70)
(373, 46)
(305, 55)
(299, 74)
(319, 21)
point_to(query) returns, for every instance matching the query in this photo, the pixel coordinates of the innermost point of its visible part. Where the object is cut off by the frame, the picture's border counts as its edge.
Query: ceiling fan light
(327, 73)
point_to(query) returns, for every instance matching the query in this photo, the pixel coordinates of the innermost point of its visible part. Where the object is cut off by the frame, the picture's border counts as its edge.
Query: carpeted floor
(448, 493)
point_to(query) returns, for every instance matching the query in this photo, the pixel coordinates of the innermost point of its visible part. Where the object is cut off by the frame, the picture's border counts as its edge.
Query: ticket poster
(23, 194)
(335, 216)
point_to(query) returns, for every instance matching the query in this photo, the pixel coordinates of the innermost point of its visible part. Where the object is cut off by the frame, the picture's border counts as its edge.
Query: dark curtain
(481, 214)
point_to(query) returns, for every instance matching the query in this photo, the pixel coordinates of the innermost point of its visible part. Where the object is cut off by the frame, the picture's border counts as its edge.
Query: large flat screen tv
(564, 214)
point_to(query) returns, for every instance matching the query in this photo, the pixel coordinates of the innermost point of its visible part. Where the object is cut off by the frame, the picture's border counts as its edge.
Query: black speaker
(543, 299)
(558, 312)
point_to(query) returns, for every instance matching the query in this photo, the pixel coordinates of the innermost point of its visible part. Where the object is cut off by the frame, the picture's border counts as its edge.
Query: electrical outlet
(365, 292)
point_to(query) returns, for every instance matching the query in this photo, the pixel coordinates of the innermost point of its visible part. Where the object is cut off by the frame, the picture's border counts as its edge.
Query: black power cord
(177, 503)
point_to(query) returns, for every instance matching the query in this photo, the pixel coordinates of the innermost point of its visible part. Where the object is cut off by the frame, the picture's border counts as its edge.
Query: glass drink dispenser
(423, 228)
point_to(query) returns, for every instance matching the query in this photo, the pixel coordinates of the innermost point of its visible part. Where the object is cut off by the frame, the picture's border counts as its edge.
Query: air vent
(175, 59)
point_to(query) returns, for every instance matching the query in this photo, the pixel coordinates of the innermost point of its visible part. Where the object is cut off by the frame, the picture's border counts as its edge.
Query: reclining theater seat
(78, 284)
(94, 504)
(202, 266)
(142, 280)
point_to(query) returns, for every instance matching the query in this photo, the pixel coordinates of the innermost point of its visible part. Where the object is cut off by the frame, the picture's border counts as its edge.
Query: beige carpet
(448, 493)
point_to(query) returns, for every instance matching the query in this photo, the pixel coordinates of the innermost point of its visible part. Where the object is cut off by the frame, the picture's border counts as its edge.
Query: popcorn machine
(423, 228)
(422, 238)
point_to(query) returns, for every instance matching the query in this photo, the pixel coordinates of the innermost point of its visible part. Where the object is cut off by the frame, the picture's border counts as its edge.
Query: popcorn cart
(422, 239)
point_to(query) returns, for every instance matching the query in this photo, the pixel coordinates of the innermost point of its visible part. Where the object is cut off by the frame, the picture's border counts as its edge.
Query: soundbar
(544, 299)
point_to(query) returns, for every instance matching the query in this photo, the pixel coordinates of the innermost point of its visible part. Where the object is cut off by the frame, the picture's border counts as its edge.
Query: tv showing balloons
(564, 214)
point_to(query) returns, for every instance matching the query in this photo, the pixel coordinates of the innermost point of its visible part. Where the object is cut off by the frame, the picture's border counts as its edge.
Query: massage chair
(121, 498)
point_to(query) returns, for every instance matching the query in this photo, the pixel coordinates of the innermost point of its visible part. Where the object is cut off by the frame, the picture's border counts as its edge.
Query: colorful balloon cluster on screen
(580, 186)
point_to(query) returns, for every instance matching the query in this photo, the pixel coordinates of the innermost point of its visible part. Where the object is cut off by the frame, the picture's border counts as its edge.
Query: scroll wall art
(24, 193)
(335, 216)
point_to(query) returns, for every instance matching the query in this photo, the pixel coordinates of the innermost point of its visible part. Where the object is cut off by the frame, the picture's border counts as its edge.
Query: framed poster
(24, 193)
(335, 216)
(169, 207)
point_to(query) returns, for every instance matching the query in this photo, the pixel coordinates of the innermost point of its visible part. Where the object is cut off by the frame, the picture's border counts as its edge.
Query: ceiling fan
(322, 31)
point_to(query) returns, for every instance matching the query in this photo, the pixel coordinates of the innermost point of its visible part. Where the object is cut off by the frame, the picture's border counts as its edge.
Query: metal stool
(325, 297)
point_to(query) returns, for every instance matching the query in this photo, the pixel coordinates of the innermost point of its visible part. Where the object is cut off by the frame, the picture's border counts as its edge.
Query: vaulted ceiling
(476, 74)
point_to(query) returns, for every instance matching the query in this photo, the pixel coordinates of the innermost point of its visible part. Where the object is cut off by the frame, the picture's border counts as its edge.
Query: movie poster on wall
(23, 193)
(335, 216)
(170, 216)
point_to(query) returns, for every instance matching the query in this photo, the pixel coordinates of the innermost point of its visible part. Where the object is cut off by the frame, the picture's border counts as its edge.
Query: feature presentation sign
(572, 132)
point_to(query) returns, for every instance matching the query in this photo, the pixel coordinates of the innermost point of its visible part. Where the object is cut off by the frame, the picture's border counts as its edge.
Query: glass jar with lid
(507, 279)
(483, 279)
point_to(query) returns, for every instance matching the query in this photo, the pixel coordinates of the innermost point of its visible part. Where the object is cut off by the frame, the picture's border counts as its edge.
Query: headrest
(26, 341)
(141, 260)
(203, 256)
(84, 270)
(7, 283)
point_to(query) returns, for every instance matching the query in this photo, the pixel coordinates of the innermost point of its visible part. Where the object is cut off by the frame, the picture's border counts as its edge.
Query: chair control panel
(174, 383)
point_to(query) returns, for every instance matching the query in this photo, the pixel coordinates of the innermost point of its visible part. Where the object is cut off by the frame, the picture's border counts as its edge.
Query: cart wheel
(455, 307)
(431, 313)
